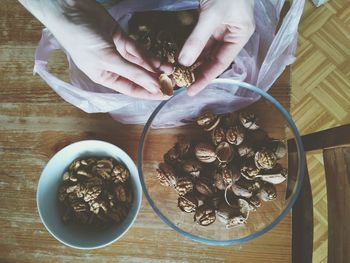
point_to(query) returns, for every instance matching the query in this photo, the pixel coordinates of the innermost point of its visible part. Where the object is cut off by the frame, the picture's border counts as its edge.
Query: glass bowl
(155, 142)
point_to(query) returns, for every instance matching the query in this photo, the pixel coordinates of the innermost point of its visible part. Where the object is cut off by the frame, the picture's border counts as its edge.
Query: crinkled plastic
(260, 63)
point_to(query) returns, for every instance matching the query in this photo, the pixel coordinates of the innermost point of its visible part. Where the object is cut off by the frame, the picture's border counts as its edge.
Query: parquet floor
(321, 93)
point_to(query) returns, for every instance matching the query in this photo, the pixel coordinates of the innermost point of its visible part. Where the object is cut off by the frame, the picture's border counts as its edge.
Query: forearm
(70, 18)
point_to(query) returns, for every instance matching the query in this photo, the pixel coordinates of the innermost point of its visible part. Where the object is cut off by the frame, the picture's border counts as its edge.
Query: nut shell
(205, 153)
(184, 185)
(265, 159)
(192, 167)
(208, 120)
(218, 135)
(204, 215)
(235, 135)
(249, 170)
(224, 152)
(249, 120)
(166, 175)
(187, 203)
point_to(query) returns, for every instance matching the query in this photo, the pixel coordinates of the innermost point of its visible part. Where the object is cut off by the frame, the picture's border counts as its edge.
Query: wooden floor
(321, 92)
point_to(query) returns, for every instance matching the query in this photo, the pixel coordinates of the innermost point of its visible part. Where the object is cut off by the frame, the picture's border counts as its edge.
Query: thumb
(199, 37)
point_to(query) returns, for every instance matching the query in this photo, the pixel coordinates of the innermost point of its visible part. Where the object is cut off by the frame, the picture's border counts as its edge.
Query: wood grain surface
(35, 123)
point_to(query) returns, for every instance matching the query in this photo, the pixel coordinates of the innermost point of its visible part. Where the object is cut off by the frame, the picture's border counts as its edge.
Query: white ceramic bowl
(47, 202)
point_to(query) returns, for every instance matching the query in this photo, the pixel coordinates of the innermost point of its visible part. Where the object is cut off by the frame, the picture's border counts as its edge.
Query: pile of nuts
(95, 191)
(164, 42)
(228, 174)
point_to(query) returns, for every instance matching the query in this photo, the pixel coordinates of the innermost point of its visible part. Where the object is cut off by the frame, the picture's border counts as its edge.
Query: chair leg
(302, 218)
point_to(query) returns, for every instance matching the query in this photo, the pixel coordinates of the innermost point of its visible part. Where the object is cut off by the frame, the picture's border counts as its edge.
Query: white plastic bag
(260, 63)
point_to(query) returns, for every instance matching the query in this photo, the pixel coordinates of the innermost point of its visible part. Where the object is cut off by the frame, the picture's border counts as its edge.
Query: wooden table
(35, 123)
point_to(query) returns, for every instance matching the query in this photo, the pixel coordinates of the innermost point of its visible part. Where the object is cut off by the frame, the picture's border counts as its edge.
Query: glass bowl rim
(300, 174)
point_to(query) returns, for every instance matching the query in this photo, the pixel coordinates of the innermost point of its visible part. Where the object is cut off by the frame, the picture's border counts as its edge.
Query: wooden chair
(335, 144)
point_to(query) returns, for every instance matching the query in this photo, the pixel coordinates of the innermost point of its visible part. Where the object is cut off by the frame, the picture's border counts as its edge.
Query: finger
(221, 58)
(145, 59)
(134, 73)
(129, 88)
(199, 37)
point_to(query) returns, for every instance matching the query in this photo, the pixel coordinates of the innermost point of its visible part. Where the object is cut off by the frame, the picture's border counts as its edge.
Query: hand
(99, 48)
(223, 28)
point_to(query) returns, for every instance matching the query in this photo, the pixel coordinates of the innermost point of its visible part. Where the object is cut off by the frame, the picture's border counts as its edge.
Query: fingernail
(185, 60)
(167, 69)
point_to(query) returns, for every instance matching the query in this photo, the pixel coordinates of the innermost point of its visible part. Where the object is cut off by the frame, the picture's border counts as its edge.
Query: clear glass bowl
(155, 143)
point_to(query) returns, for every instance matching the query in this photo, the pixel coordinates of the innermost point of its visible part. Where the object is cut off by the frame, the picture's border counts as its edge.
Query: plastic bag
(260, 63)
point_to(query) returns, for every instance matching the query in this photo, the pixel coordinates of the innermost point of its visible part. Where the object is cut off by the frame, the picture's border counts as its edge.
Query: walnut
(268, 192)
(172, 157)
(184, 185)
(218, 135)
(120, 173)
(166, 85)
(204, 186)
(204, 215)
(205, 153)
(224, 152)
(166, 175)
(219, 180)
(183, 76)
(92, 192)
(249, 120)
(86, 193)
(276, 175)
(187, 203)
(265, 159)
(278, 148)
(249, 170)
(235, 135)
(183, 146)
(208, 120)
(192, 167)
(246, 150)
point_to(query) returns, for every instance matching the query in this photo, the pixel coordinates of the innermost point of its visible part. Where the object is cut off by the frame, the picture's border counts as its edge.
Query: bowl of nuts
(225, 176)
(89, 194)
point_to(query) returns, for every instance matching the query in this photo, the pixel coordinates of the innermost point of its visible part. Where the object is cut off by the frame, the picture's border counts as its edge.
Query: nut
(268, 192)
(187, 203)
(166, 85)
(166, 175)
(241, 191)
(218, 135)
(172, 157)
(120, 173)
(254, 201)
(208, 120)
(205, 153)
(276, 175)
(192, 167)
(278, 148)
(265, 159)
(204, 187)
(249, 120)
(184, 185)
(219, 180)
(87, 191)
(235, 135)
(246, 150)
(224, 152)
(249, 169)
(204, 215)
(183, 146)
(183, 76)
